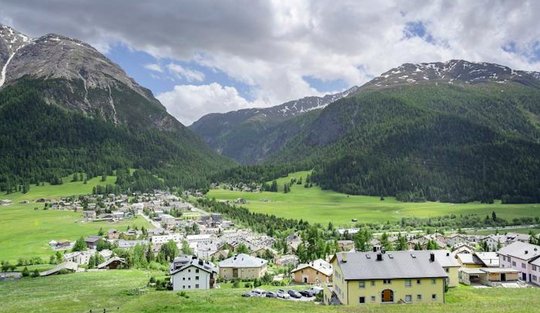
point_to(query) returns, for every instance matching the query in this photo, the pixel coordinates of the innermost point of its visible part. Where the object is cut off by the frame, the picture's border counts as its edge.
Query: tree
(242, 248)
(168, 252)
(401, 243)
(286, 188)
(186, 250)
(35, 273)
(274, 186)
(25, 272)
(494, 216)
(80, 245)
(385, 242)
(362, 239)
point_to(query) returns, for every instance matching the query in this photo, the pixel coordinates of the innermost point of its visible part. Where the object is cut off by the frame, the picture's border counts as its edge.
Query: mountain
(450, 131)
(65, 107)
(251, 135)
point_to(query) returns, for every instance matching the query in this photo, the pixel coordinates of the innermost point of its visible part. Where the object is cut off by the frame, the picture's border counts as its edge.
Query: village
(202, 250)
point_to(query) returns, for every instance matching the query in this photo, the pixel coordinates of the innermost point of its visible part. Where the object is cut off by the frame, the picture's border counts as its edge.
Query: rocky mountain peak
(451, 72)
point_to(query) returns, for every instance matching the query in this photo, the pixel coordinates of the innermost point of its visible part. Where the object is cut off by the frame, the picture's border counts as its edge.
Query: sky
(201, 57)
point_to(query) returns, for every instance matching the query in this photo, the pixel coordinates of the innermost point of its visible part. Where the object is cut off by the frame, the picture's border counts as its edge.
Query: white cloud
(271, 45)
(154, 67)
(187, 74)
(189, 102)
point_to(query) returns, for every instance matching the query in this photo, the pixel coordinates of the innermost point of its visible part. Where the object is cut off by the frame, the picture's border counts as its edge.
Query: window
(534, 267)
(408, 298)
(522, 265)
(408, 283)
(189, 286)
(197, 270)
(197, 286)
(434, 296)
(418, 281)
(373, 299)
(534, 277)
(362, 299)
(196, 277)
(387, 281)
(189, 278)
(418, 297)
(189, 271)
(433, 281)
(362, 284)
(446, 269)
(372, 283)
(183, 278)
(513, 263)
(184, 287)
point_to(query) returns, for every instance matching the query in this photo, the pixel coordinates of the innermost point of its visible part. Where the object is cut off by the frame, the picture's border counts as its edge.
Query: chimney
(432, 257)
(374, 249)
(379, 257)
(344, 258)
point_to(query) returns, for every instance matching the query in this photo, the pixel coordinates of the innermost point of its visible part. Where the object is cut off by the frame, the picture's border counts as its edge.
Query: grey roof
(111, 260)
(521, 250)
(444, 257)
(242, 260)
(536, 262)
(468, 258)
(193, 262)
(489, 259)
(394, 265)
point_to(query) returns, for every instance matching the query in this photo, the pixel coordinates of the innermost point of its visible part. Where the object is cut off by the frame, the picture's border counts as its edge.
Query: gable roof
(319, 265)
(242, 260)
(444, 257)
(521, 250)
(195, 262)
(394, 265)
(489, 259)
(468, 258)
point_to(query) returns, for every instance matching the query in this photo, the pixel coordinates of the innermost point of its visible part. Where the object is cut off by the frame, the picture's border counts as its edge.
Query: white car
(282, 294)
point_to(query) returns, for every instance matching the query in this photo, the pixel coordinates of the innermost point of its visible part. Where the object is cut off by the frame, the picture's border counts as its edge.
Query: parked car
(258, 292)
(247, 294)
(295, 294)
(315, 291)
(306, 293)
(271, 294)
(282, 294)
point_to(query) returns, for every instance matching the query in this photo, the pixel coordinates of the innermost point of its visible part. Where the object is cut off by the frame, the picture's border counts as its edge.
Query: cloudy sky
(215, 56)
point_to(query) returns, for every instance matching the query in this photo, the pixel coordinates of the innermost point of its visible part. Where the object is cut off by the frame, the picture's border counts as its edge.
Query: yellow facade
(309, 275)
(229, 273)
(453, 277)
(421, 290)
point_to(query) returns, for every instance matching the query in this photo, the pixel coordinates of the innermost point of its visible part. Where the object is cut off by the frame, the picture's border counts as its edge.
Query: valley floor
(116, 292)
(323, 206)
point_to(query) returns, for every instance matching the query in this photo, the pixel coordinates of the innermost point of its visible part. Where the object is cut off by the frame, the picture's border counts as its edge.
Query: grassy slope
(98, 290)
(323, 206)
(25, 232)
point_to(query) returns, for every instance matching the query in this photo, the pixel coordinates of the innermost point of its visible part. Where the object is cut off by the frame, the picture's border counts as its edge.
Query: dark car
(294, 294)
(306, 293)
(271, 294)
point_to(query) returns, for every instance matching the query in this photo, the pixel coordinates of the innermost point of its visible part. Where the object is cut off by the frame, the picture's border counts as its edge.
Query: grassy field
(323, 206)
(111, 290)
(25, 232)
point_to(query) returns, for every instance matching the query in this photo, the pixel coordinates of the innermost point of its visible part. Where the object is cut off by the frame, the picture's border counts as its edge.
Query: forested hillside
(449, 143)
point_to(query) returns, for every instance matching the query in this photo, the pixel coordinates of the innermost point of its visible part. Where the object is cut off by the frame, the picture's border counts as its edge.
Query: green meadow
(25, 232)
(323, 206)
(114, 291)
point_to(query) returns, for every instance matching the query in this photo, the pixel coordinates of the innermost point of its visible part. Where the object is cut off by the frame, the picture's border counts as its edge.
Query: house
(488, 259)
(89, 215)
(192, 273)
(316, 272)
(65, 267)
(113, 234)
(112, 263)
(91, 241)
(524, 258)
(78, 257)
(345, 245)
(449, 264)
(287, 259)
(392, 277)
(126, 244)
(242, 266)
(487, 276)
(469, 260)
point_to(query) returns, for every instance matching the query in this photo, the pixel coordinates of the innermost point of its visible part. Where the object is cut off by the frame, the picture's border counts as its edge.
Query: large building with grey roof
(242, 266)
(391, 277)
(525, 258)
